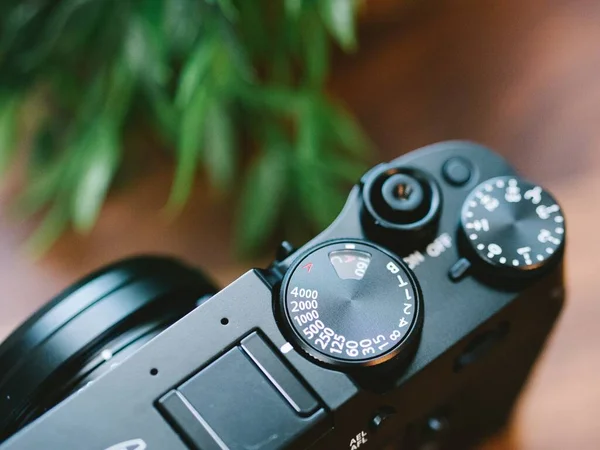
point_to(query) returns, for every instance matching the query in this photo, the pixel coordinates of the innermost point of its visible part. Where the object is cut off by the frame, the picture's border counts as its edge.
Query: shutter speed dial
(513, 225)
(351, 304)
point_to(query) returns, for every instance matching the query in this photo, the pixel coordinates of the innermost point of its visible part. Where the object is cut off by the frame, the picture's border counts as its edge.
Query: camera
(411, 322)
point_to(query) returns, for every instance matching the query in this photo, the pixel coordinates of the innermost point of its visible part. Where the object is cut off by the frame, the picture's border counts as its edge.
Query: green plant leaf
(253, 33)
(47, 233)
(96, 171)
(320, 195)
(190, 140)
(277, 99)
(344, 129)
(153, 13)
(145, 47)
(308, 130)
(182, 25)
(54, 28)
(40, 190)
(338, 16)
(9, 106)
(44, 147)
(17, 18)
(220, 151)
(228, 9)
(119, 91)
(293, 8)
(264, 191)
(194, 70)
(92, 28)
(238, 57)
(164, 112)
(256, 66)
(342, 169)
(316, 51)
(319, 192)
(66, 88)
(221, 69)
(92, 101)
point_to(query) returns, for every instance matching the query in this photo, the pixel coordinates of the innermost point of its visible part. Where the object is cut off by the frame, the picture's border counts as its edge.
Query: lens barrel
(87, 329)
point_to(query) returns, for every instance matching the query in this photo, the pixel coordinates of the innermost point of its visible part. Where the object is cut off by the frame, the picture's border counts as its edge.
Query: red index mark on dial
(350, 258)
(308, 267)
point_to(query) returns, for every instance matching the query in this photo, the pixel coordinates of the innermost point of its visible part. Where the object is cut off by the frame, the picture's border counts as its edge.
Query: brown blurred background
(520, 76)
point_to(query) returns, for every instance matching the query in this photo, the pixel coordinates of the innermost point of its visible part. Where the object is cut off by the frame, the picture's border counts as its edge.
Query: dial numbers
(356, 305)
(512, 223)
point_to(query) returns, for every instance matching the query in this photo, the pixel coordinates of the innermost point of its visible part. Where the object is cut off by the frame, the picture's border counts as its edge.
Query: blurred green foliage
(202, 73)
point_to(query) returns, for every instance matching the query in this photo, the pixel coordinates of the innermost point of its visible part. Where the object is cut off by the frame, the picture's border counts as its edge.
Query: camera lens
(88, 329)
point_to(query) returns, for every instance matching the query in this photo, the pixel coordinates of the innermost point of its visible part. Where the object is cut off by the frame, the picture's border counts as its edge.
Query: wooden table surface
(520, 76)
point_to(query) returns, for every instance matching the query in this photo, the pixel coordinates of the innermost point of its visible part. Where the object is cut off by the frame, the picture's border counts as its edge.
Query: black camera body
(411, 322)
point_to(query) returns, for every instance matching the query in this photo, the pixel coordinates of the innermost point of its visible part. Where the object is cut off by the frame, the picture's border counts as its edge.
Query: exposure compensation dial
(351, 304)
(513, 225)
